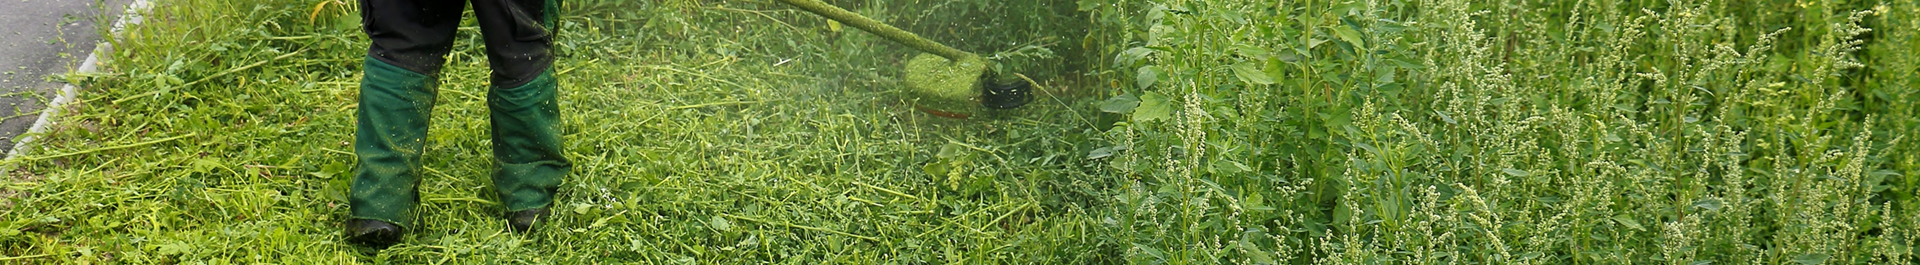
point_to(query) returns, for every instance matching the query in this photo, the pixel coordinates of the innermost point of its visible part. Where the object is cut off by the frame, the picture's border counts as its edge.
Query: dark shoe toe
(374, 233)
(524, 221)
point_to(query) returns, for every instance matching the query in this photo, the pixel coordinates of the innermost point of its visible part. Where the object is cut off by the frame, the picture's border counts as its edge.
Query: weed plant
(1512, 132)
(1166, 131)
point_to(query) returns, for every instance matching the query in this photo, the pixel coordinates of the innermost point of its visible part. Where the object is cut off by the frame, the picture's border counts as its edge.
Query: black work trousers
(417, 34)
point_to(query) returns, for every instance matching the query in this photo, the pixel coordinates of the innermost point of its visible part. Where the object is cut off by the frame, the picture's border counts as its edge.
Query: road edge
(134, 13)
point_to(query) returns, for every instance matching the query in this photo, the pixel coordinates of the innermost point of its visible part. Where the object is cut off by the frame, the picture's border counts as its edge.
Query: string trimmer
(946, 82)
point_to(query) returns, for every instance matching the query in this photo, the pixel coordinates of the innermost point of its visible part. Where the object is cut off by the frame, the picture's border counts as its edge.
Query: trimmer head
(954, 89)
(947, 88)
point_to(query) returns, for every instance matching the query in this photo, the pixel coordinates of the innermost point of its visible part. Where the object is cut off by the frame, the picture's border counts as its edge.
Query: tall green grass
(1523, 132)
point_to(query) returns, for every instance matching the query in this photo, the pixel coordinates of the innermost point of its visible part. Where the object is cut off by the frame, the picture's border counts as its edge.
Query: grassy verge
(703, 131)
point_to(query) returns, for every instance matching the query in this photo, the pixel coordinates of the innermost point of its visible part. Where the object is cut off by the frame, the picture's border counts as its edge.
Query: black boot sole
(525, 221)
(373, 233)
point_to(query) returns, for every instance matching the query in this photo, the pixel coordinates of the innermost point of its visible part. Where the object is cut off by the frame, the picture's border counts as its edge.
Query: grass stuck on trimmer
(945, 82)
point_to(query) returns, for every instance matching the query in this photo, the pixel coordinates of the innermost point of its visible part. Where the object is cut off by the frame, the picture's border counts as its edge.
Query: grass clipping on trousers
(945, 85)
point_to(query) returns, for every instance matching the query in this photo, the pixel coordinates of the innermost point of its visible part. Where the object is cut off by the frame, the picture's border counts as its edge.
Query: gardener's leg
(396, 96)
(522, 102)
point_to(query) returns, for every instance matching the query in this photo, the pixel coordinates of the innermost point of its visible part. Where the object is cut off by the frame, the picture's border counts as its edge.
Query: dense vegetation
(1515, 132)
(1166, 131)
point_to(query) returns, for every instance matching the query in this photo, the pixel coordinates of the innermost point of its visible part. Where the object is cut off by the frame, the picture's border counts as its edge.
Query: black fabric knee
(417, 34)
(412, 34)
(519, 37)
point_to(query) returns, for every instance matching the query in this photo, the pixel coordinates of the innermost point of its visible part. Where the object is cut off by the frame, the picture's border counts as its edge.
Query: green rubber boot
(529, 161)
(389, 137)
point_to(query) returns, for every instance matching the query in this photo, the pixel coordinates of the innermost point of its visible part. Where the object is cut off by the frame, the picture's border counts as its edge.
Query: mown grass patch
(702, 131)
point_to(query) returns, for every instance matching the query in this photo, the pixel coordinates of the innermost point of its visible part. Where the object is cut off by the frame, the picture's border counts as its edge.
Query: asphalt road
(39, 38)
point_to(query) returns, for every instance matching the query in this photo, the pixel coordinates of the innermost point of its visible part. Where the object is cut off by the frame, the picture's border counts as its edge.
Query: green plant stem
(476, 200)
(816, 229)
(888, 191)
(211, 77)
(23, 114)
(1037, 87)
(23, 257)
(708, 77)
(337, 151)
(114, 147)
(713, 104)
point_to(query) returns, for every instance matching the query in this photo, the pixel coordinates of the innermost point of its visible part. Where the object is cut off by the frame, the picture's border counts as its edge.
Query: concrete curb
(132, 15)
